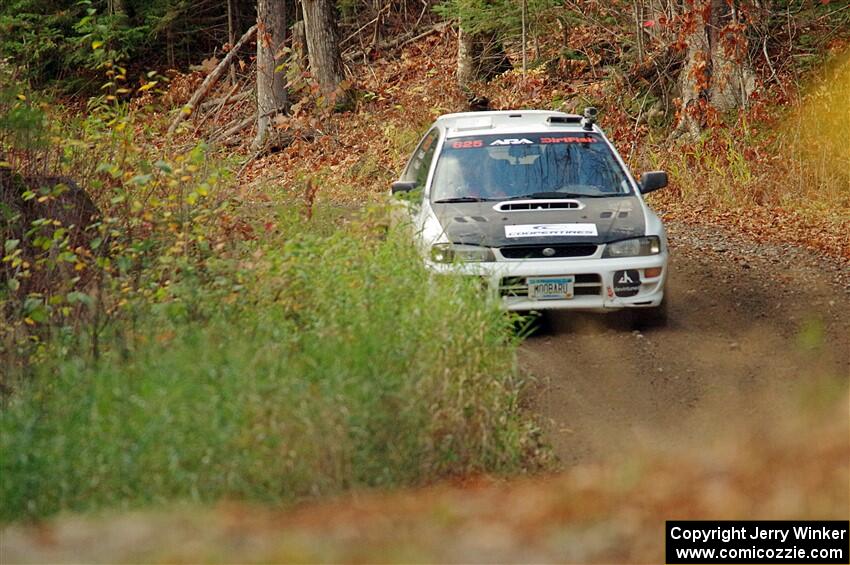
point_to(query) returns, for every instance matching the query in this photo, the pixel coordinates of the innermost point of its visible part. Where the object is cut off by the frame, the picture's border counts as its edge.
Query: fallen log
(226, 100)
(400, 41)
(233, 130)
(217, 110)
(211, 79)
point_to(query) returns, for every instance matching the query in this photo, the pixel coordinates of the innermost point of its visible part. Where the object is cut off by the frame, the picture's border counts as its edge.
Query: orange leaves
(700, 73)
(733, 40)
(208, 65)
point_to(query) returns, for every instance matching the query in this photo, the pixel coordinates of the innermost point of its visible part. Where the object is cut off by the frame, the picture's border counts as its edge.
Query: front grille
(585, 285)
(536, 251)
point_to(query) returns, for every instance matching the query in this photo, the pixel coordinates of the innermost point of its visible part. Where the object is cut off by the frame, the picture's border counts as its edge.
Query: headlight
(450, 252)
(636, 247)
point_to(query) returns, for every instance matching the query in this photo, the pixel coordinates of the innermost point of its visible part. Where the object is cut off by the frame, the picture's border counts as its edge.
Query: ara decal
(513, 141)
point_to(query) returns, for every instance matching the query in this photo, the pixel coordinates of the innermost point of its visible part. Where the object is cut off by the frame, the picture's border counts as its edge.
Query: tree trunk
(716, 73)
(117, 7)
(480, 56)
(169, 45)
(524, 37)
(637, 12)
(271, 89)
(466, 65)
(322, 44)
(695, 77)
(231, 37)
(299, 45)
(733, 79)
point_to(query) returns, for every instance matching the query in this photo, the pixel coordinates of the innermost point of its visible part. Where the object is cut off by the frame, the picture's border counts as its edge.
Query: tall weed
(339, 363)
(797, 158)
(817, 154)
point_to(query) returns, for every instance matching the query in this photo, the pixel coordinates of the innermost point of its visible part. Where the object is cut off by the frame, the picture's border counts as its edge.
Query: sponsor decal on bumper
(626, 283)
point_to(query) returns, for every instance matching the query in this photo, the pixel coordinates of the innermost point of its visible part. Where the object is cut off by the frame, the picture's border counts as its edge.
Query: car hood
(599, 220)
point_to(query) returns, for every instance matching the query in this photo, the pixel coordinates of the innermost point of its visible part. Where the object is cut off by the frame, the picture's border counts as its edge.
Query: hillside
(214, 352)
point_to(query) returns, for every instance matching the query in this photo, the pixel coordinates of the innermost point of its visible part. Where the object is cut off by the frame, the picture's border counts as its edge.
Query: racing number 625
(467, 144)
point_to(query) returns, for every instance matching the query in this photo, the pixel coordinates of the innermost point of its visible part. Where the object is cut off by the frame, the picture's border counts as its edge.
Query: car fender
(428, 228)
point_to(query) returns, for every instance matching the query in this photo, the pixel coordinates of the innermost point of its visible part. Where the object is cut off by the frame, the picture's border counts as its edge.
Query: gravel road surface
(755, 330)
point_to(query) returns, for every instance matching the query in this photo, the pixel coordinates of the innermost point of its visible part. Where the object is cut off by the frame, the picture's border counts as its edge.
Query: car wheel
(651, 317)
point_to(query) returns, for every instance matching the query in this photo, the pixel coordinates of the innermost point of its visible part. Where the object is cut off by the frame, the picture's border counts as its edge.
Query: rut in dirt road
(755, 332)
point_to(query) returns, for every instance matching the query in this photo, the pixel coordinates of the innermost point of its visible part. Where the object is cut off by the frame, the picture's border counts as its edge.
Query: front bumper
(594, 287)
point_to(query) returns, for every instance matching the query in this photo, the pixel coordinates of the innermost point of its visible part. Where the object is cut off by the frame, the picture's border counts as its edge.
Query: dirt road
(754, 328)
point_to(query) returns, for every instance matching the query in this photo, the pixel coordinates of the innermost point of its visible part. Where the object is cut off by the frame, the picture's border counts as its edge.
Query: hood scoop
(537, 204)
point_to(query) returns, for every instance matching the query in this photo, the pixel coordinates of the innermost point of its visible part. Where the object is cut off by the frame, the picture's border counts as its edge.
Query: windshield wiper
(555, 194)
(459, 199)
(550, 194)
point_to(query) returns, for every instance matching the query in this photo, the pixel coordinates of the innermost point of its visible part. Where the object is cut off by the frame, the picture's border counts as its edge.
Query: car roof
(509, 121)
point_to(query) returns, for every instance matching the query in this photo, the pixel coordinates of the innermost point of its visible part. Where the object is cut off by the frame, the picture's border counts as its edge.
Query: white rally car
(540, 204)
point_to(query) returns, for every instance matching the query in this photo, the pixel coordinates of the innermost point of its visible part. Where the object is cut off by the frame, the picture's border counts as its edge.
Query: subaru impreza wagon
(541, 206)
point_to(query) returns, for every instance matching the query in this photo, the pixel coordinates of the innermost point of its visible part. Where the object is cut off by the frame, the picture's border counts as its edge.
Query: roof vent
(564, 120)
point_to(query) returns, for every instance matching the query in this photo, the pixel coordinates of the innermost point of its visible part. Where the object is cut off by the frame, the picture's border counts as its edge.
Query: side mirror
(652, 180)
(402, 186)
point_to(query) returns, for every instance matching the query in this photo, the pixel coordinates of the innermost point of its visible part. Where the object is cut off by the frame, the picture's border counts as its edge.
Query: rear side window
(420, 164)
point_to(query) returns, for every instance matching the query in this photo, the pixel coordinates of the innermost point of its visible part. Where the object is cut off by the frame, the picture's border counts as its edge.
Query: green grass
(342, 363)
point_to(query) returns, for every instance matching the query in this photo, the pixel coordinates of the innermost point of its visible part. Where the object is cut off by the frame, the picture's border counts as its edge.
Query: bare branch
(211, 79)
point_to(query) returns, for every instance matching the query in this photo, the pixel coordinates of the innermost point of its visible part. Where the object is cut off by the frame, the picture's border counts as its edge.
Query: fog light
(652, 273)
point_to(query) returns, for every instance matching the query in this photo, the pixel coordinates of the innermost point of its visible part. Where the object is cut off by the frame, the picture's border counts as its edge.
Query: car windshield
(498, 167)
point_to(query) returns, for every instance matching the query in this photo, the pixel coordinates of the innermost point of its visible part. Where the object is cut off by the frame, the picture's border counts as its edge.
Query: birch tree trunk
(323, 44)
(271, 90)
(466, 66)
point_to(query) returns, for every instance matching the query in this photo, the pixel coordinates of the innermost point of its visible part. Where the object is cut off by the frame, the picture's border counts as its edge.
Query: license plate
(551, 288)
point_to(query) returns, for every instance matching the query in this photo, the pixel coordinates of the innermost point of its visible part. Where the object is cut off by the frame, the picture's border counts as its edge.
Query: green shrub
(334, 361)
